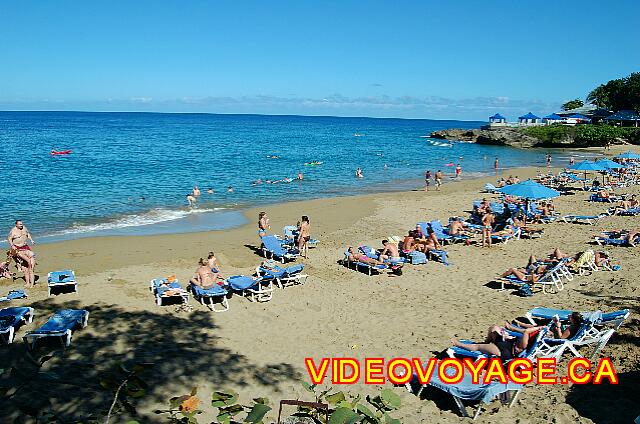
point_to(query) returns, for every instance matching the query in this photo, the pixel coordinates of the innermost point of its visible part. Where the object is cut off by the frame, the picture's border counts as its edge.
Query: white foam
(154, 216)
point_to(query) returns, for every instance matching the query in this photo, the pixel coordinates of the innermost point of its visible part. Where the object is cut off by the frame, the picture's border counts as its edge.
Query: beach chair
(13, 294)
(272, 248)
(61, 280)
(438, 254)
(441, 232)
(465, 390)
(490, 188)
(583, 219)
(284, 277)
(614, 319)
(10, 318)
(587, 335)
(595, 198)
(551, 278)
(257, 289)
(211, 296)
(370, 269)
(61, 324)
(606, 241)
(291, 232)
(165, 290)
(373, 254)
(533, 348)
(629, 212)
(586, 262)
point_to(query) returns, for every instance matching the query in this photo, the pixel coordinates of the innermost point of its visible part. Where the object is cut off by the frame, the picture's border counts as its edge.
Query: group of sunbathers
(536, 268)
(501, 341)
(208, 272)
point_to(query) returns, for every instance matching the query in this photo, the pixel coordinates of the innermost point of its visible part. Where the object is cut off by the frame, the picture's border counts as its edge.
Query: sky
(408, 59)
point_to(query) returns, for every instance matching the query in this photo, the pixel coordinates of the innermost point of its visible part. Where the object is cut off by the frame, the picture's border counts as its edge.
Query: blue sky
(414, 59)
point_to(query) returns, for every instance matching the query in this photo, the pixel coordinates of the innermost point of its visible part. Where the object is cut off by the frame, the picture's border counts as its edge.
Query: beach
(258, 349)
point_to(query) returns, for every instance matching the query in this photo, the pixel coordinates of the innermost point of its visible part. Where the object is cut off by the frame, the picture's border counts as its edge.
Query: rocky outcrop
(496, 137)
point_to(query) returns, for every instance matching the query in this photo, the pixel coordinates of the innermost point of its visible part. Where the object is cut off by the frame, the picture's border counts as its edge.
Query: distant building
(625, 117)
(552, 119)
(497, 120)
(577, 118)
(528, 119)
(592, 112)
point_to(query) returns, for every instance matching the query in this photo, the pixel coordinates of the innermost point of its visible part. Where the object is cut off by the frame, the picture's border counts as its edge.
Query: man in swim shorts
(438, 178)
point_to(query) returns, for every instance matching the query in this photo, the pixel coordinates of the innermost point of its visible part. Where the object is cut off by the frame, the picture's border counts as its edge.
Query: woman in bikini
(500, 343)
(205, 278)
(487, 227)
(304, 235)
(355, 256)
(263, 224)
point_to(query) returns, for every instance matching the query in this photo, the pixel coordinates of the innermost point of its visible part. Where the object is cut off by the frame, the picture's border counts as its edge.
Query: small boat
(314, 163)
(61, 152)
(440, 143)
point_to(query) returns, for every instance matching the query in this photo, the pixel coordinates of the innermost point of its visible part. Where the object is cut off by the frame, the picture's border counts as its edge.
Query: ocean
(129, 173)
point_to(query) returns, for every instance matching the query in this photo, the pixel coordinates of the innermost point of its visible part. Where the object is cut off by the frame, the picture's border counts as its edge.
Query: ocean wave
(154, 216)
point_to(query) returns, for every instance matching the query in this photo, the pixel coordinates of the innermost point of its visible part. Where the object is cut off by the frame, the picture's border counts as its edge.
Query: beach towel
(13, 294)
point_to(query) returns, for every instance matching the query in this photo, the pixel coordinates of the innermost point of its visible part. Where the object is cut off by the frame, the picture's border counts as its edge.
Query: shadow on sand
(182, 351)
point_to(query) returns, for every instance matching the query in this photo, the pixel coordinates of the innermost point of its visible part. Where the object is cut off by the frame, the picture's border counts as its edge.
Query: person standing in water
(427, 180)
(191, 200)
(438, 178)
(548, 160)
(300, 177)
(458, 171)
(229, 189)
(496, 165)
(196, 191)
(304, 235)
(571, 160)
(359, 173)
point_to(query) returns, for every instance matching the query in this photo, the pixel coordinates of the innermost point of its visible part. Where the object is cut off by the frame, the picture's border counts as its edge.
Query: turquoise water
(129, 172)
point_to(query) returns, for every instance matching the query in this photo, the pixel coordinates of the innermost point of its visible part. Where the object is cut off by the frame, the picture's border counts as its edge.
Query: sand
(259, 349)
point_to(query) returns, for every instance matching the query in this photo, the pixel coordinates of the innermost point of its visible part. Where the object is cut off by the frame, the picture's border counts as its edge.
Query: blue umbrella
(587, 165)
(609, 164)
(529, 190)
(628, 155)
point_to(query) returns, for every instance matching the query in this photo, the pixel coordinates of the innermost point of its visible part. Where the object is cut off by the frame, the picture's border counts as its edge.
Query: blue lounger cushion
(61, 277)
(9, 317)
(65, 319)
(465, 389)
(209, 292)
(241, 282)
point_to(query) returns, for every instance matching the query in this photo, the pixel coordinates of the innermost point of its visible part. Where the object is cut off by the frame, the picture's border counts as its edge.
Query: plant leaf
(262, 400)
(308, 387)
(257, 413)
(365, 411)
(194, 391)
(335, 398)
(390, 399)
(344, 416)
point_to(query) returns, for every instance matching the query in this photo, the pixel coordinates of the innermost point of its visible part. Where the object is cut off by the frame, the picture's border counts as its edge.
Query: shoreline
(258, 349)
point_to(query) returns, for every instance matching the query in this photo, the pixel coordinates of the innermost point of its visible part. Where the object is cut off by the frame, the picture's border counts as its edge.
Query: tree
(572, 104)
(618, 94)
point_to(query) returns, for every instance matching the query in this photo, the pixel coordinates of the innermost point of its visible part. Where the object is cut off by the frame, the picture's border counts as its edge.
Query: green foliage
(572, 104)
(348, 409)
(618, 94)
(581, 135)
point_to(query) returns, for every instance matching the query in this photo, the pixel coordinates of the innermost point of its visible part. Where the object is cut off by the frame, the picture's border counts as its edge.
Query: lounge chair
(614, 319)
(533, 348)
(583, 219)
(257, 289)
(441, 236)
(370, 269)
(373, 254)
(207, 297)
(272, 248)
(439, 254)
(13, 294)
(284, 277)
(466, 390)
(552, 277)
(611, 199)
(441, 232)
(61, 324)
(61, 279)
(164, 290)
(586, 335)
(11, 317)
(490, 188)
(628, 212)
(505, 238)
(291, 232)
(606, 241)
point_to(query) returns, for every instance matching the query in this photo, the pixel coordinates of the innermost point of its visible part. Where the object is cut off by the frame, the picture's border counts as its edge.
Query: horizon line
(234, 114)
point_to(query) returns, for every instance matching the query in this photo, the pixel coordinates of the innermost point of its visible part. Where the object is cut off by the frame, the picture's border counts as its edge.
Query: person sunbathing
(558, 331)
(508, 230)
(531, 273)
(413, 242)
(457, 227)
(205, 278)
(4, 268)
(632, 237)
(355, 256)
(500, 343)
(520, 221)
(390, 252)
(603, 194)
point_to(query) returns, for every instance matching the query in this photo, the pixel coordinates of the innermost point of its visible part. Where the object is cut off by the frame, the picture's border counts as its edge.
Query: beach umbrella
(587, 165)
(609, 164)
(529, 190)
(628, 155)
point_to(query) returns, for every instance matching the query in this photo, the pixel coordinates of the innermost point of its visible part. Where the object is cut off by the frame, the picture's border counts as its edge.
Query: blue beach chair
(551, 278)
(615, 318)
(61, 280)
(61, 324)
(370, 269)
(283, 277)
(164, 290)
(534, 348)
(257, 289)
(583, 219)
(10, 318)
(465, 390)
(13, 294)
(443, 233)
(272, 248)
(211, 296)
